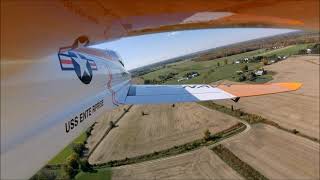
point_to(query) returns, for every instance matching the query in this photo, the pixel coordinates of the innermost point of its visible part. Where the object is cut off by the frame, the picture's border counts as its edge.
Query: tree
(302, 51)
(265, 62)
(226, 61)
(207, 135)
(69, 172)
(252, 76)
(258, 58)
(147, 81)
(245, 68)
(85, 166)
(112, 124)
(88, 131)
(162, 77)
(153, 81)
(78, 148)
(294, 131)
(242, 78)
(72, 165)
(73, 161)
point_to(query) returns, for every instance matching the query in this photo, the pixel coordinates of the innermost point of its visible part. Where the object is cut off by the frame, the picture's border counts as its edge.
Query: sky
(142, 50)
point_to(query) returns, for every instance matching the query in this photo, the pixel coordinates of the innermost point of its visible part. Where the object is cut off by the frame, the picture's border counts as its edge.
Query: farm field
(277, 154)
(287, 51)
(198, 164)
(221, 68)
(295, 110)
(209, 70)
(102, 125)
(163, 127)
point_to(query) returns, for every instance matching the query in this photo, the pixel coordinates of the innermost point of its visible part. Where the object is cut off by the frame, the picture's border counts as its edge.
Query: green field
(104, 174)
(288, 51)
(211, 72)
(61, 157)
(242, 55)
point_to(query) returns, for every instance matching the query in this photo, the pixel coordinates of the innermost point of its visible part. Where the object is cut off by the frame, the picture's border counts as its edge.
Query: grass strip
(237, 164)
(61, 157)
(105, 174)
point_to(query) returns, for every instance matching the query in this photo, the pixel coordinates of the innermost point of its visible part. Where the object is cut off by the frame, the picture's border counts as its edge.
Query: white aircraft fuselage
(59, 97)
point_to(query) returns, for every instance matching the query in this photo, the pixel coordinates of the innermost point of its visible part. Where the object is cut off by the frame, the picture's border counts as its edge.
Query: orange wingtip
(245, 90)
(291, 86)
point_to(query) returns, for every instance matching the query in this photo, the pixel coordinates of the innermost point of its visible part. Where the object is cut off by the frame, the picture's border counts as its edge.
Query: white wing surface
(160, 94)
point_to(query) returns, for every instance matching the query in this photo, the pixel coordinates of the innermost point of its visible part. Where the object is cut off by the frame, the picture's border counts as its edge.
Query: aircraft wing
(158, 94)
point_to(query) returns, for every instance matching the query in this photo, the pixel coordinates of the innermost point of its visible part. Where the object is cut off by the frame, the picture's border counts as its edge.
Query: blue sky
(146, 49)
